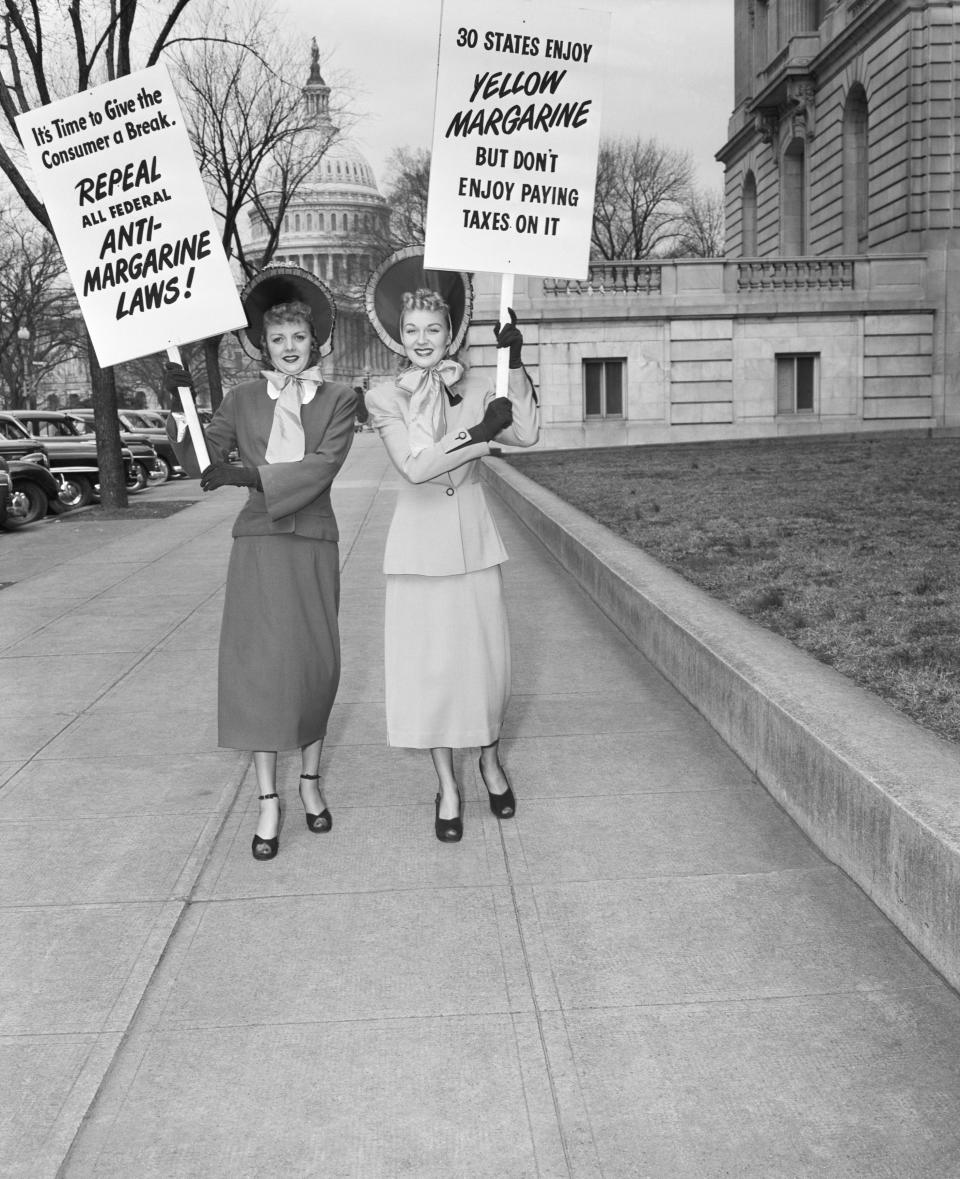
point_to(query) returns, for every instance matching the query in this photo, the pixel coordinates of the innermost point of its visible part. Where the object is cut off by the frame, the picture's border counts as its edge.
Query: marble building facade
(835, 307)
(337, 227)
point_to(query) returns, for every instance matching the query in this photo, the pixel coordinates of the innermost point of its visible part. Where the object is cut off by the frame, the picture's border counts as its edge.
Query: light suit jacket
(442, 524)
(296, 495)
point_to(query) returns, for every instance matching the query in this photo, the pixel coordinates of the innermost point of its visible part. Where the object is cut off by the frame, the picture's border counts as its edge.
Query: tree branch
(33, 50)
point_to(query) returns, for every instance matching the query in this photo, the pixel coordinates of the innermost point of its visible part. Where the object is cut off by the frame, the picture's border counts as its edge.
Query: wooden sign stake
(503, 354)
(190, 413)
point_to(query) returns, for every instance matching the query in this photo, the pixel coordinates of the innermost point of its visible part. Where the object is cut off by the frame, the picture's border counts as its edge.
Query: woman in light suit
(447, 641)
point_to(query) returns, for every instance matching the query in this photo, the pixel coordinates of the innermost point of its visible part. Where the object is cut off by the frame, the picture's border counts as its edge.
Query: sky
(669, 71)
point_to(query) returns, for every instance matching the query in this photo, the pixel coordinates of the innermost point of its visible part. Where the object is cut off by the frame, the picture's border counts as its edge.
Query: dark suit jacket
(295, 496)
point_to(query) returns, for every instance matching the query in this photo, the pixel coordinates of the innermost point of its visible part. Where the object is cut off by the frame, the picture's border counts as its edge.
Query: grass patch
(97, 513)
(848, 547)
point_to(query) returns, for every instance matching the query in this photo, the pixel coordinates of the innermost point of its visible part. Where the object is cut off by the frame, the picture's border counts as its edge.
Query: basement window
(797, 383)
(603, 389)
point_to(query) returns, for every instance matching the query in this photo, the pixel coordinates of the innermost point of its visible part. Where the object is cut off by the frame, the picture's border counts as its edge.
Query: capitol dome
(343, 165)
(337, 227)
(338, 221)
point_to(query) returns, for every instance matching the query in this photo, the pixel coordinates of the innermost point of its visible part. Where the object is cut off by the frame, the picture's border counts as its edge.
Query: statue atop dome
(315, 77)
(316, 93)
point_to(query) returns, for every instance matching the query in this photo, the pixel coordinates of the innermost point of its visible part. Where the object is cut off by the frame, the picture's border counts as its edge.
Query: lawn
(848, 547)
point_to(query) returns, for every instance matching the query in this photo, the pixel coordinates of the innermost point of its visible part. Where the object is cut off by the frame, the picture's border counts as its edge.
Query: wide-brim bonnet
(404, 271)
(281, 283)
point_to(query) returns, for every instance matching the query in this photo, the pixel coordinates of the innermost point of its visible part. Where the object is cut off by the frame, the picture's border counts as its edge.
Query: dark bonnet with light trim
(404, 271)
(286, 284)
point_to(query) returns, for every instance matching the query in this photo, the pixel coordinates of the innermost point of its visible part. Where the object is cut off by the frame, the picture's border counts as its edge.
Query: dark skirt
(279, 642)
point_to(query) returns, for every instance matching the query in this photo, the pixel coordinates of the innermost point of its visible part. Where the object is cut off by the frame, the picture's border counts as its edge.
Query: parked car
(159, 469)
(4, 490)
(73, 454)
(147, 419)
(37, 494)
(154, 427)
(31, 489)
(34, 493)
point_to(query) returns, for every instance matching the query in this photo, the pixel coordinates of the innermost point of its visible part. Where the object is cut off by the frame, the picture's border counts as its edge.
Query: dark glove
(508, 336)
(175, 376)
(497, 416)
(227, 475)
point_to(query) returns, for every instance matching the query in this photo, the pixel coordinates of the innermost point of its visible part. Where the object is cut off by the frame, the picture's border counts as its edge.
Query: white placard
(124, 195)
(515, 139)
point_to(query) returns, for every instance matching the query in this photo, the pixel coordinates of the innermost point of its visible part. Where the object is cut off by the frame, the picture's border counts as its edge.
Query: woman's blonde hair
(423, 300)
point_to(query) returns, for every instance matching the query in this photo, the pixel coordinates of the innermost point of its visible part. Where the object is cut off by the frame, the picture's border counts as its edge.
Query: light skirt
(279, 642)
(447, 659)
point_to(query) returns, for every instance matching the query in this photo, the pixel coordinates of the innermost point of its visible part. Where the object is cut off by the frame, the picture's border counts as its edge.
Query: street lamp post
(23, 335)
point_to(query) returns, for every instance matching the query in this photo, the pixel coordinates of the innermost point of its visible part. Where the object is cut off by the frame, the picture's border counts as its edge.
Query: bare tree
(407, 182)
(641, 187)
(700, 233)
(256, 140)
(35, 296)
(50, 51)
(147, 372)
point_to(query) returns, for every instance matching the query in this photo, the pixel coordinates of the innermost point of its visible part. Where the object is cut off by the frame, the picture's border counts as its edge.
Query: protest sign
(516, 136)
(115, 170)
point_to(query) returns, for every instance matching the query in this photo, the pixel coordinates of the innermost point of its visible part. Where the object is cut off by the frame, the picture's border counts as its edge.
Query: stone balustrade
(795, 274)
(620, 277)
(739, 283)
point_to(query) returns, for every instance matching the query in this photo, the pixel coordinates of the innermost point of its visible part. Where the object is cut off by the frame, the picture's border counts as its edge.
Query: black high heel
(503, 805)
(262, 848)
(449, 830)
(318, 824)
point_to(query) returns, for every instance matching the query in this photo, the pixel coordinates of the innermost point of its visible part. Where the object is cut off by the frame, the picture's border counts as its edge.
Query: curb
(877, 794)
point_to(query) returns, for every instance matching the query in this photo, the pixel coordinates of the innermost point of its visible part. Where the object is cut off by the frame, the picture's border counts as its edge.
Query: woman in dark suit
(279, 640)
(447, 642)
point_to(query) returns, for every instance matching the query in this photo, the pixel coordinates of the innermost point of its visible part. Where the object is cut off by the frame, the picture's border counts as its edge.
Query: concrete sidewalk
(650, 971)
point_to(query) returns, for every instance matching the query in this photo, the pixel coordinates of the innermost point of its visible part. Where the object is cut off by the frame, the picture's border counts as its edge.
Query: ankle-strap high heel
(262, 848)
(503, 805)
(449, 830)
(318, 824)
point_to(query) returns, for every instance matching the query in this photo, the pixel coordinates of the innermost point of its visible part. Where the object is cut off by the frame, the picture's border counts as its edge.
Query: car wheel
(138, 479)
(28, 503)
(161, 472)
(76, 491)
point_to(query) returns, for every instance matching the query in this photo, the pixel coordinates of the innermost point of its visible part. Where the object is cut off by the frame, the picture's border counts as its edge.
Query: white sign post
(515, 141)
(116, 172)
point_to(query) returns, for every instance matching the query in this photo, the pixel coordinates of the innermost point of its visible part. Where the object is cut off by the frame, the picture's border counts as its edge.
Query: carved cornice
(765, 123)
(801, 91)
(802, 107)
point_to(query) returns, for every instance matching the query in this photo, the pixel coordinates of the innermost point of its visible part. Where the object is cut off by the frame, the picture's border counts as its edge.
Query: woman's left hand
(508, 336)
(226, 475)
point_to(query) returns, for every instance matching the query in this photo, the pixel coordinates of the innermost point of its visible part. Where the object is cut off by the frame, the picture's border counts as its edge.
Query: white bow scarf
(287, 442)
(426, 387)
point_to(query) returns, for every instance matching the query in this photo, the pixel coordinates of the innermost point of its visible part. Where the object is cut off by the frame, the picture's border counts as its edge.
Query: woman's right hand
(175, 376)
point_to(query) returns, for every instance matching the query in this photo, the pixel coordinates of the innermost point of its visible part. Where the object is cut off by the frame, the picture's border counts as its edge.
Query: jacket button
(449, 491)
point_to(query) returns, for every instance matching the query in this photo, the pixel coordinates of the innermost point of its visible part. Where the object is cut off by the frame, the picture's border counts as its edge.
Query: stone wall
(699, 345)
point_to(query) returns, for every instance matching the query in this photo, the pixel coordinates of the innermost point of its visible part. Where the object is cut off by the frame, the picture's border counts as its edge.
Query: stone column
(743, 67)
(796, 16)
(761, 46)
